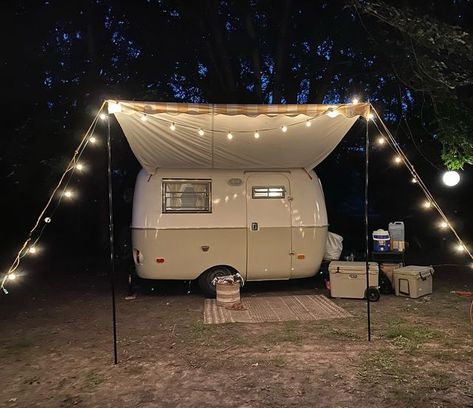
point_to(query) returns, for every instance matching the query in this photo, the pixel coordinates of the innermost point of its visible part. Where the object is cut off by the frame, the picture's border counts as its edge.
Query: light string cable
(23, 251)
(395, 146)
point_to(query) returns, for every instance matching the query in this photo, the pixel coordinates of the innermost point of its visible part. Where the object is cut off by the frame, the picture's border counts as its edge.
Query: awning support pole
(112, 246)
(367, 242)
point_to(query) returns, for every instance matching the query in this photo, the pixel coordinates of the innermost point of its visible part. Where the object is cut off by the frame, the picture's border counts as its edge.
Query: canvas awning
(175, 135)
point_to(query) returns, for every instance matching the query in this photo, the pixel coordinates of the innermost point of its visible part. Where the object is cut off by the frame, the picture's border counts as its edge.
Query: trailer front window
(268, 192)
(186, 196)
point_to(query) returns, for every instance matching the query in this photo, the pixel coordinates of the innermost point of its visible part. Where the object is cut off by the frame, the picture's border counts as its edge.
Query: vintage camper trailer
(198, 224)
(230, 188)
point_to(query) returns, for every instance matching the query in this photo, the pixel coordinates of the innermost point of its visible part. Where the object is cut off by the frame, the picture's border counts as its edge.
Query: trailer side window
(269, 192)
(186, 196)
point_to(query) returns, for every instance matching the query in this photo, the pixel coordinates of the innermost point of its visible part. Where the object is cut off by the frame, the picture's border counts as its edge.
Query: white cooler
(348, 279)
(413, 281)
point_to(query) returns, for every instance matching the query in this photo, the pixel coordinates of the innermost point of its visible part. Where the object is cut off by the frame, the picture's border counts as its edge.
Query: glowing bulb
(370, 116)
(427, 204)
(229, 136)
(355, 101)
(32, 250)
(103, 116)
(443, 225)
(256, 135)
(332, 113)
(68, 194)
(144, 118)
(47, 220)
(172, 126)
(397, 159)
(413, 180)
(307, 123)
(92, 139)
(284, 128)
(12, 276)
(451, 178)
(460, 248)
(79, 166)
(201, 132)
(381, 140)
(114, 107)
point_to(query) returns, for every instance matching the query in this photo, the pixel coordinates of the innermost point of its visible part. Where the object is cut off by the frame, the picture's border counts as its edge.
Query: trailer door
(268, 226)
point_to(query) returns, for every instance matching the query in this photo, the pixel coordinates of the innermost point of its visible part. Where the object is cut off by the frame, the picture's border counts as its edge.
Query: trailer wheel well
(231, 268)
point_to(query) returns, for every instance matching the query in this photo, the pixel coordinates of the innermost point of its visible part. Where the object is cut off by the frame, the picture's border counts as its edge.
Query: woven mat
(274, 309)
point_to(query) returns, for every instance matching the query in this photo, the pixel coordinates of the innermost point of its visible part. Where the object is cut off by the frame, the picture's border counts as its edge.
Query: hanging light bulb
(427, 204)
(92, 139)
(308, 123)
(47, 220)
(451, 178)
(68, 194)
(443, 224)
(201, 132)
(284, 128)
(33, 250)
(332, 112)
(397, 159)
(172, 126)
(381, 140)
(355, 100)
(371, 116)
(460, 248)
(79, 166)
(256, 135)
(144, 118)
(12, 276)
(103, 116)
(229, 136)
(413, 180)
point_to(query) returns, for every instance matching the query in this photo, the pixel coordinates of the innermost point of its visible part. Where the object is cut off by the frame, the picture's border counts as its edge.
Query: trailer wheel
(373, 294)
(205, 280)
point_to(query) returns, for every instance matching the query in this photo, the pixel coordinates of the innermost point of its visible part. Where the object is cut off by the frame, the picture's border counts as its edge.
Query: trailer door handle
(254, 226)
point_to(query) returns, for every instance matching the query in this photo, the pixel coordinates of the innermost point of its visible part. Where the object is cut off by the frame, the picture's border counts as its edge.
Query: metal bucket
(228, 294)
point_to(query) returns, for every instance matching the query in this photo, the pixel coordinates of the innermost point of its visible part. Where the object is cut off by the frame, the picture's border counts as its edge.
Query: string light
(443, 224)
(427, 204)
(371, 116)
(381, 140)
(256, 135)
(229, 136)
(114, 107)
(413, 180)
(47, 220)
(397, 159)
(33, 250)
(201, 132)
(460, 248)
(355, 100)
(284, 128)
(12, 276)
(307, 123)
(103, 116)
(68, 194)
(92, 139)
(172, 126)
(144, 118)
(79, 166)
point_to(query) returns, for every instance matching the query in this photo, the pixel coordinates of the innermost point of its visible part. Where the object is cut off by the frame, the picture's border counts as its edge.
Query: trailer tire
(205, 280)
(372, 294)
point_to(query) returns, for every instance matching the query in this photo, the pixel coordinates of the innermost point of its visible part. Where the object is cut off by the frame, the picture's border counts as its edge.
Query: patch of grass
(288, 333)
(93, 379)
(378, 365)
(279, 362)
(408, 337)
(342, 334)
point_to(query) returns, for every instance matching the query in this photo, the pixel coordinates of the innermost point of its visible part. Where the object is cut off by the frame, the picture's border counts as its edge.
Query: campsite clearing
(56, 350)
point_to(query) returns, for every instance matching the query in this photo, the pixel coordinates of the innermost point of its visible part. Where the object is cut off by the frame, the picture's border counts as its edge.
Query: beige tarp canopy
(175, 135)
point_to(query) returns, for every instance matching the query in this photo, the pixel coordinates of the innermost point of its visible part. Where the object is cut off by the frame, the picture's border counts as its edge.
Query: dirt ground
(56, 350)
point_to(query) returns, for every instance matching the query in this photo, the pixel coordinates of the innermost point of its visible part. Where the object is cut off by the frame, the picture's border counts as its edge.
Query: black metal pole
(112, 246)
(367, 241)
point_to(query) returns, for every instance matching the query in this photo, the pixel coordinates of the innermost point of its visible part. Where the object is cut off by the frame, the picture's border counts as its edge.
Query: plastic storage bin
(413, 281)
(397, 235)
(381, 241)
(348, 280)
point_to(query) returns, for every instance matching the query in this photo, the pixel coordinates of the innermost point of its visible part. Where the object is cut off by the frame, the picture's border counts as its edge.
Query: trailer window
(269, 192)
(186, 196)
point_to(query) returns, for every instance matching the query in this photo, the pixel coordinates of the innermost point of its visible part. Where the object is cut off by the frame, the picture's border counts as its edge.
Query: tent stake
(367, 253)
(112, 247)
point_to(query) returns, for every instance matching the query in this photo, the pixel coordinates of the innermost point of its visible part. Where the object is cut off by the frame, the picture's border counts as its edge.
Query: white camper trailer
(266, 225)
(230, 188)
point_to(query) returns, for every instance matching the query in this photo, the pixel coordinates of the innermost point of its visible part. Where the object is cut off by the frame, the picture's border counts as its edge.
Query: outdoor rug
(274, 309)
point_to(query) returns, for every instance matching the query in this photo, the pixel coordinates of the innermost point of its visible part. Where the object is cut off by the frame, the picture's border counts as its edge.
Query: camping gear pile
(391, 240)
(334, 247)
